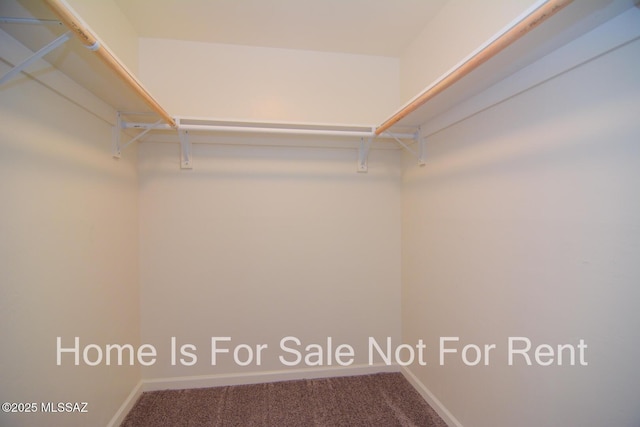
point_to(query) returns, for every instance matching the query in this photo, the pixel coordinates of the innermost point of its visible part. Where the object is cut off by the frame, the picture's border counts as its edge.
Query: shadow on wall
(556, 132)
(268, 160)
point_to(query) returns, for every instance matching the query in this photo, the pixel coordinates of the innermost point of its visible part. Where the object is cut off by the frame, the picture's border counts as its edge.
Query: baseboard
(218, 380)
(126, 406)
(431, 399)
(201, 381)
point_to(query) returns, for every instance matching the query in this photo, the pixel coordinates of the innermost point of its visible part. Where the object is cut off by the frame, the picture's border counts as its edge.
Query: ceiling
(369, 27)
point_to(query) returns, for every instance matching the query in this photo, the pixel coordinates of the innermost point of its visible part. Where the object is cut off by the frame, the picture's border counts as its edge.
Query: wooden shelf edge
(528, 23)
(89, 39)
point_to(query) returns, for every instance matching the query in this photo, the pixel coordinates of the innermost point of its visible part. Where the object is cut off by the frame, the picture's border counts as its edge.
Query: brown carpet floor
(368, 400)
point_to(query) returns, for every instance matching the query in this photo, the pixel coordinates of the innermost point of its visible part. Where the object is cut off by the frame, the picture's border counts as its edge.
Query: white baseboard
(431, 399)
(219, 380)
(126, 406)
(201, 381)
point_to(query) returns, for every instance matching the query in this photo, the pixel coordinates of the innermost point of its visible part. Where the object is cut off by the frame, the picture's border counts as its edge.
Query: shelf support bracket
(116, 151)
(37, 55)
(186, 153)
(422, 149)
(363, 155)
(421, 155)
(10, 20)
(118, 146)
(143, 133)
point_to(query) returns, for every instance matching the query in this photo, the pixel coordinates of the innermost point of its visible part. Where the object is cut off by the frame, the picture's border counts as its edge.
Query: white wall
(456, 31)
(243, 82)
(68, 255)
(525, 221)
(261, 243)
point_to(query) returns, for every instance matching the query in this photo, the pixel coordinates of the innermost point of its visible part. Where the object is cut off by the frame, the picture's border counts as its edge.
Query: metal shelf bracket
(186, 153)
(421, 155)
(118, 146)
(37, 55)
(422, 149)
(363, 155)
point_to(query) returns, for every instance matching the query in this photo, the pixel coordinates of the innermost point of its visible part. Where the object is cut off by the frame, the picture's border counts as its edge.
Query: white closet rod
(494, 47)
(91, 41)
(263, 130)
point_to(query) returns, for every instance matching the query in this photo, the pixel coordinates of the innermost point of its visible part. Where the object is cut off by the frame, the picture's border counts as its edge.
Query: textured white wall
(68, 255)
(525, 221)
(243, 82)
(261, 243)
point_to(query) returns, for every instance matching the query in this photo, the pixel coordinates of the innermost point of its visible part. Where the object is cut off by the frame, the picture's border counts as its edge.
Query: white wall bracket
(421, 155)
(37, 55)
(422, 151)
(363, 155)
(118, 146)
(422, 148)
(186, 153)
(10, 20)
(116, 151)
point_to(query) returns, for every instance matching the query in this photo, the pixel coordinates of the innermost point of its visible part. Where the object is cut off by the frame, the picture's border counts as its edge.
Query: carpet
(367, 400)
